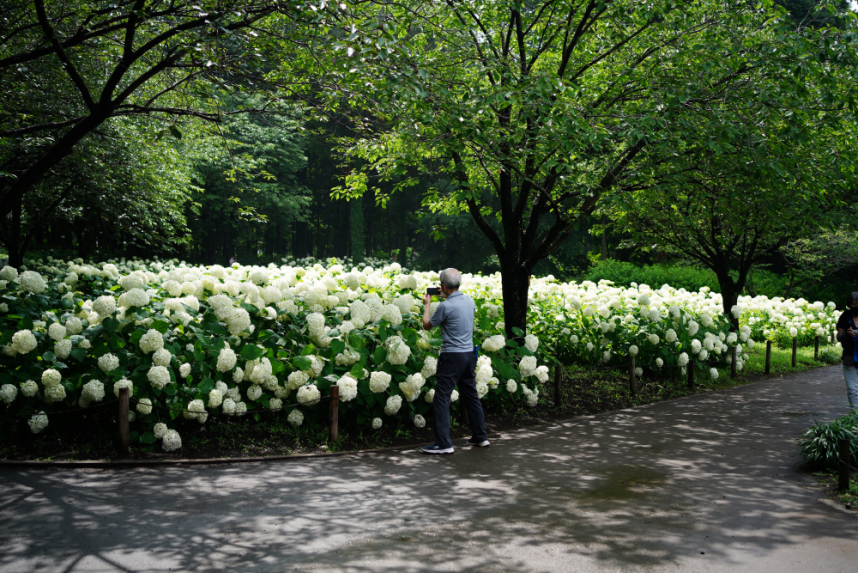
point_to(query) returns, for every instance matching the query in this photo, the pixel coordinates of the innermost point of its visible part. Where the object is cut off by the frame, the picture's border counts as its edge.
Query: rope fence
(124, 401)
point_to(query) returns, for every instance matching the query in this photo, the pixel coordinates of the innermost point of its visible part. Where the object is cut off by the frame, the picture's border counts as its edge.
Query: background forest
(224, 157)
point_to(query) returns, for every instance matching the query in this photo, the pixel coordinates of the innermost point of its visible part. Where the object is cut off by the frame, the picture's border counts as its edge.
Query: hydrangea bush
(591, 323)
(192, 341)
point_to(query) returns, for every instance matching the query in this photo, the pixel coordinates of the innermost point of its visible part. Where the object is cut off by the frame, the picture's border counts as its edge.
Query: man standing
(456, 365)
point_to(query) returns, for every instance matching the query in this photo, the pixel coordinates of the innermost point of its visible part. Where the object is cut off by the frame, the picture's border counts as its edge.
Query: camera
(433, 291)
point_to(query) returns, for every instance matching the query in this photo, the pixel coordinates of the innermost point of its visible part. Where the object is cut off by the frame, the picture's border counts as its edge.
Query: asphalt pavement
(706, 483)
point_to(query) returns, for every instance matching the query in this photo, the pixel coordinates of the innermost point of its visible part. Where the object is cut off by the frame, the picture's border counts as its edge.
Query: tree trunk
(730, 290)
(515, 280)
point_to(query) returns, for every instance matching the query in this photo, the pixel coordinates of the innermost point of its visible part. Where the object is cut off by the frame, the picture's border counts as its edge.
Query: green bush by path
(819, 444)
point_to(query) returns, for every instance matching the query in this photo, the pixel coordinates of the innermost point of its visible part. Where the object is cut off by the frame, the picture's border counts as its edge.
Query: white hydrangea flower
(144, 406)
(63, 349)
(226, 359)
(32, 282)
(254, 392)
(393, 404)
(542, 374)
(430, 367)
(151, 341)
(531, 342)
(8, 273)
(228, 406)
(376, 423)
(93, 391)
(713, 373)
(295, 418)
(185, 370)
(429, 396)
(397, 350)
(494, 343)
(297, 379)
(412, 385)
(38, 422)
(29, 388)
(8, 393)
(171, 441)
(511, 386)
(159, 430)
(348, 388)
(633, 350)
(104, 306)
(134, 298)
(158, 377)
(527, 366)
(57, 331)
(108, 362)
(215, 398)
(419, 421)
(73, 325)
(653, 339)
(308, 394)
(123, 383)
(24, 341)
(51, 377)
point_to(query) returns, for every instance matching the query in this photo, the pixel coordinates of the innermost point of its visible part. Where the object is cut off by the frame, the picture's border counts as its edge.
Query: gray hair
(451, 278)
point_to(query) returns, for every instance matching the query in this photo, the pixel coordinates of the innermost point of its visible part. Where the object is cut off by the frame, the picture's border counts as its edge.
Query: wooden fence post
(768, 357)
(794, 350)
(690, 374)
(334, 411)
(842, 460)
(816, 348)
(733, 361)
(632, 375)
(557, 375)
(123, 421)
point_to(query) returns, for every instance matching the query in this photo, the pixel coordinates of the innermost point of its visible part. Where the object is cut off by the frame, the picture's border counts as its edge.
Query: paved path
(705, 483)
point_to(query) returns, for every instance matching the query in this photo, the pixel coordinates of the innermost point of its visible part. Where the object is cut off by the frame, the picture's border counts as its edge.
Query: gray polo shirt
(455, 316)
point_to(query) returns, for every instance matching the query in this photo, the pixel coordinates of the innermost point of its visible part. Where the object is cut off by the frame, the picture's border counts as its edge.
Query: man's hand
(851, 332)
(427, 299)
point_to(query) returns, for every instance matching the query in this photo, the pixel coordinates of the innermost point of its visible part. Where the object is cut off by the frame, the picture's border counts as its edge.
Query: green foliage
(678, 276)
(831, 353)
(818, 446)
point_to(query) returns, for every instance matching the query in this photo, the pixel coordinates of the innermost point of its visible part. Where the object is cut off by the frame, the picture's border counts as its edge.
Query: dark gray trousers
(457, 369)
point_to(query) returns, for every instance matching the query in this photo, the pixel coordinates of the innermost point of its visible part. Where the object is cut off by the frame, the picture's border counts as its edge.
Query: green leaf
(161, 326)
(337, 346)
(78, 354)
(517, 331)
(148, 438)
(48, 356)
(170, 390)
(216, 328)
(379, 355)
(302, 362)
(206, 386)
(249, 308)
(251, 352)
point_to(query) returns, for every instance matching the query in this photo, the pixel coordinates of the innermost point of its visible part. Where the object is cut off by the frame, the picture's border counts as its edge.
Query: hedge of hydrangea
(194, 341)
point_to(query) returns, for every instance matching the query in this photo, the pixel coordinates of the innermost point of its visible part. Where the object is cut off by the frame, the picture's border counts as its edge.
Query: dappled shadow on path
(709, 478)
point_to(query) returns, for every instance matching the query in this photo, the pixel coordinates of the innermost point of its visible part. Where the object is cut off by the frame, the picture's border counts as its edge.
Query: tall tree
(546, 105)
(115, 58)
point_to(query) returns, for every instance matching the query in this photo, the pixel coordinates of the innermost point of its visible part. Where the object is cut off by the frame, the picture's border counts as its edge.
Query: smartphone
(433, 291)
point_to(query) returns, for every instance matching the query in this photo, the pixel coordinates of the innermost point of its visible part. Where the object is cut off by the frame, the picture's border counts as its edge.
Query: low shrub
(818, 445)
